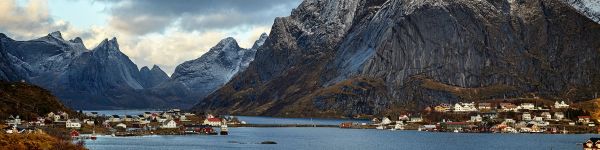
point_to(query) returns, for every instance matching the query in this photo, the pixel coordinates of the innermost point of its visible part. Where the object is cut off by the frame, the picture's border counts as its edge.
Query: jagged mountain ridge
(152, 77)
(105, 78)
(346, 58)
(210, 71)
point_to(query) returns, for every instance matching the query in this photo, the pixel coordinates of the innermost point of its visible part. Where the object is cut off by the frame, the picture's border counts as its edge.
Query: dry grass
(36, 140)
(473, 94)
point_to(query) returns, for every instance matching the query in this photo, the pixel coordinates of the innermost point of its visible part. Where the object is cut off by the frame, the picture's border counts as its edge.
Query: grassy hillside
(27, 101)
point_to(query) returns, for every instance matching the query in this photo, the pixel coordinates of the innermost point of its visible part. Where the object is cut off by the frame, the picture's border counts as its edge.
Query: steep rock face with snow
(152, 77)
(212, 70)
(344, 58)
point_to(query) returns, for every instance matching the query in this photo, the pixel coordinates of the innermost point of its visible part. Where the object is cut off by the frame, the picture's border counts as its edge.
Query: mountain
(197, 78)
(151, 78)
(334, 58)
(105, 78)
(100, 78)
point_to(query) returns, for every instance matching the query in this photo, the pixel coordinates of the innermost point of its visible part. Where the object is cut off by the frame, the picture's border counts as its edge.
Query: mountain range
(334, 58)
(105, 78)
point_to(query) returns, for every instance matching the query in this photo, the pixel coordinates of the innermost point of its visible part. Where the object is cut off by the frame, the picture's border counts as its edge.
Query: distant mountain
(105, 78)
(334, 58)
(100, 78)
(152, 78)
(197, 78)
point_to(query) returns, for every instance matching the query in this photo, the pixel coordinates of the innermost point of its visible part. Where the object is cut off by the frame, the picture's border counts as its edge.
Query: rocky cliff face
(345, 58)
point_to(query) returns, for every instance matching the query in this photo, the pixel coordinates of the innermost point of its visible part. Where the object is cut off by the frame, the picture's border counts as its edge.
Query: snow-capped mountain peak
(261, 40)
(56, 34)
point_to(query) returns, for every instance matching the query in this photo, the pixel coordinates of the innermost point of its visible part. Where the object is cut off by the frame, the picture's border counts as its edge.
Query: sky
(150, 32)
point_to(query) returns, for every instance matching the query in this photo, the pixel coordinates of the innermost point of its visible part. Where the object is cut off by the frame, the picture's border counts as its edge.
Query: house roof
(583, 117)
(213, 120)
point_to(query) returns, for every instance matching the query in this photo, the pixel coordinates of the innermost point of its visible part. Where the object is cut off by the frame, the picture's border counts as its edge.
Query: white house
(169, 124)
(73, 123)
(527, 106)
(464, 107)
(560, 105)
(115, 118)
(386, 121)
(121, 125)
(216, 122)
(13, 121)
(161, 119)
(559, 115)
(526, 117)
(477, 118)
(546, 115)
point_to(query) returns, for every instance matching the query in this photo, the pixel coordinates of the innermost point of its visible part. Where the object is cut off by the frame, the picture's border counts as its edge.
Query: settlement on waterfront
(499, 117)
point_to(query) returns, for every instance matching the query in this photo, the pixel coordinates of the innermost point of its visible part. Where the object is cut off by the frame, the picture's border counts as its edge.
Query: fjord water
(334, 138)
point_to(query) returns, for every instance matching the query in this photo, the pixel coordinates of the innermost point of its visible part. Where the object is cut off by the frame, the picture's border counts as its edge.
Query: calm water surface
(334, 138)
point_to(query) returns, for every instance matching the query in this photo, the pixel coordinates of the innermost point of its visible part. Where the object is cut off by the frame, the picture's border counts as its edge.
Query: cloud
(154, 16)
(29, 20)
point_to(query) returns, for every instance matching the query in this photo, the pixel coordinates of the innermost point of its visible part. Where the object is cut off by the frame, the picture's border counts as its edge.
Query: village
(471, 117)
(498, 117)
(171, 122)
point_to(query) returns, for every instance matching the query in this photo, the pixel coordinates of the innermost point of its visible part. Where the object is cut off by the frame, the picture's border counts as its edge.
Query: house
(560, 105)
(161, 119)
(464, 107)
(538, 118)
(584, 119)
(531, 128)
(416, 118)
(527, 106)
(121, 125)
(73, 123)
(509, 121)
(13, 121)
(477, 118)
(559, 116)
(114, 118)
(485, 106)
(546, 115)
(386, 121)
(592, 144)
(93, 114)
(508, 107)
(403, 118)
(89, 122)
(128, 118)
(169, 124)
(526, 116)
(147, 114)
(212, 122)
(442, 107)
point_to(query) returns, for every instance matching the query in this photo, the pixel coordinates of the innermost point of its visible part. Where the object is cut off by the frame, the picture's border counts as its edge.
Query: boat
(224, 130)
(380, 127)
(93, 137)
